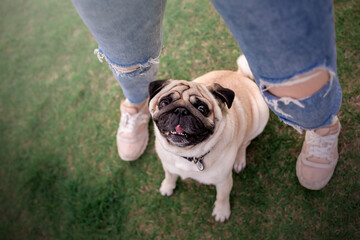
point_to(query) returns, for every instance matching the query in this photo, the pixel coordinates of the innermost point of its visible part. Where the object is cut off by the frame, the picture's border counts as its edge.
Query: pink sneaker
(318, 158)
(132, 135)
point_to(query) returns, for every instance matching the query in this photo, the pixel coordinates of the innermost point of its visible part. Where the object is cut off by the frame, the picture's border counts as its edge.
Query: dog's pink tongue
(178, 129)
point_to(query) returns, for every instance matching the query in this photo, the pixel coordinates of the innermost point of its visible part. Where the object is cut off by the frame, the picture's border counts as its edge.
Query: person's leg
(129, 35)
(290, 47)
(318, 158)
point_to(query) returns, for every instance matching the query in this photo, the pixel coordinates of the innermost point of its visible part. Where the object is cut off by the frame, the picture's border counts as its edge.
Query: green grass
(61, 178)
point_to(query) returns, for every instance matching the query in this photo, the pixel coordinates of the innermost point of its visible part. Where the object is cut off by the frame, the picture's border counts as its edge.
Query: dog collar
(198, 161)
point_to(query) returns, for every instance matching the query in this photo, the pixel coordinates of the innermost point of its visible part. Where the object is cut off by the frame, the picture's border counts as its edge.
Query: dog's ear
(225, 95)
(156, 86)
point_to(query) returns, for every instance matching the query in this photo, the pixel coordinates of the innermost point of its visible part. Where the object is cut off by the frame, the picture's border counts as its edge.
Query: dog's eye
(164, 102)
(203, 109)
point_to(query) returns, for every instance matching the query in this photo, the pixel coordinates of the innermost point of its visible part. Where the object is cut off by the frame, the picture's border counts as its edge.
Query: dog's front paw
(166, 189)
(221, 212)
(239, 166)
(240, 161)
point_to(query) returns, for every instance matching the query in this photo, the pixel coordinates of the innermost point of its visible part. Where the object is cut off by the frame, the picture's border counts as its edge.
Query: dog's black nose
(181, 111)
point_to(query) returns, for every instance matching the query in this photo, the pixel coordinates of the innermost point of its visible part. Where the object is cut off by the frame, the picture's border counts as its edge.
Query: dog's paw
(240, 161)
(221, 212)
(166, 189)
(239, 166)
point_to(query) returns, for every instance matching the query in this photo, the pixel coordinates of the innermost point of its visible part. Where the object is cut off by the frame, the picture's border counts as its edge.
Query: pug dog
(203, 127)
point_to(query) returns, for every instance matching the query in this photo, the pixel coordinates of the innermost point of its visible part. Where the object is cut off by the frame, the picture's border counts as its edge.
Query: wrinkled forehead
(187, 90)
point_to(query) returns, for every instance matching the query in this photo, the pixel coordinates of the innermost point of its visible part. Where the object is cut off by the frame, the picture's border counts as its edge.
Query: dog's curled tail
(244, 67)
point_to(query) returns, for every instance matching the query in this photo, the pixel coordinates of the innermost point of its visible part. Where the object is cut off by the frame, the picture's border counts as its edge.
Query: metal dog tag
(198, 161)
(199, 165)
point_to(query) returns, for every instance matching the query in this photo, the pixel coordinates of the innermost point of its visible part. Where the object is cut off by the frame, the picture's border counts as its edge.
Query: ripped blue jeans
(281, 39)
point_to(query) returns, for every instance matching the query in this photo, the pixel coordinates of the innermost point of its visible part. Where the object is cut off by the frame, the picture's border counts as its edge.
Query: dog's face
(186, 113)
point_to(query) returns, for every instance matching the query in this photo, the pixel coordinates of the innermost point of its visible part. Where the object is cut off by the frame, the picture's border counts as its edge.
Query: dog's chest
(211, 173)
(186, 166)
(180, 166)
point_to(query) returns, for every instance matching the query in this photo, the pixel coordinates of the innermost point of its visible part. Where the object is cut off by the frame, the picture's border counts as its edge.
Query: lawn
(60, 174)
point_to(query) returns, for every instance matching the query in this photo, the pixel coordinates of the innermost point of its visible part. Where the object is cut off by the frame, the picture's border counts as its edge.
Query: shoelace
(129, 122)
(321, 146)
